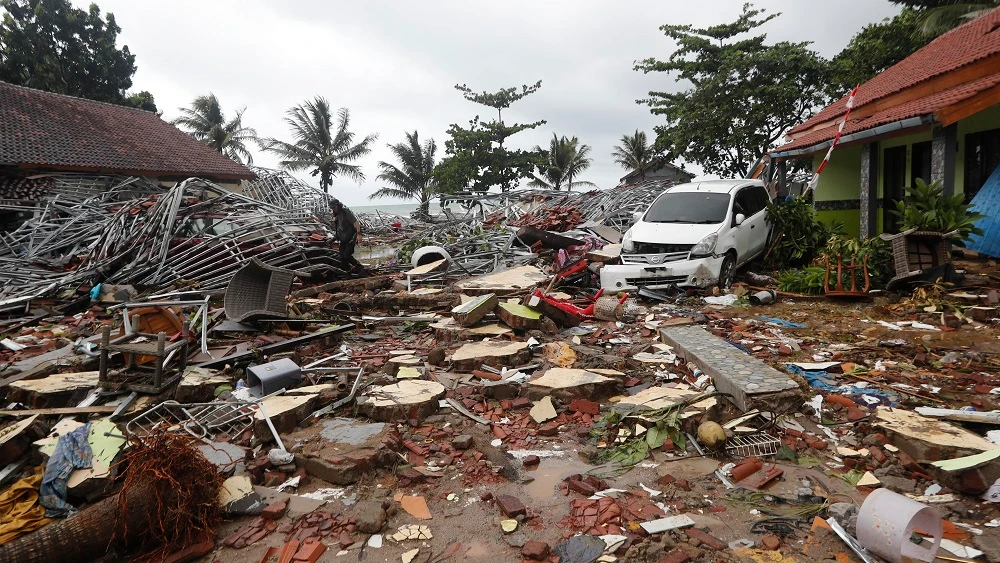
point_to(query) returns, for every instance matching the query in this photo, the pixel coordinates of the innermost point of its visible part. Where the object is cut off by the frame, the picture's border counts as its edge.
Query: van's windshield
(696, 208)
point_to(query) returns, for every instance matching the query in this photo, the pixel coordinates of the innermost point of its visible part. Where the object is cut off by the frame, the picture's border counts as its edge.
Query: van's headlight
(706, 247)
(627, 245)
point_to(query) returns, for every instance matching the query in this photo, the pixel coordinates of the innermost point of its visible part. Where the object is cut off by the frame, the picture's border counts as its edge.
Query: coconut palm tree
(947, 15)
(635, 154)
(318, 143)
(564, 159)
(206, 122)
(413, 179)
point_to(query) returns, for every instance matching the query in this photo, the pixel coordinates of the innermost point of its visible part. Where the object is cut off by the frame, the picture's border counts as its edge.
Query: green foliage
(875, 48)
(635, 154)
(881, 267)
(51, 45)
(798, 235)
(412, 180)
(206, 122)
(744, 95)
(318, 143)
(807, 281)
(926, 208)
(142, 100)
(565, 158)
(939, 16)
(476, 157)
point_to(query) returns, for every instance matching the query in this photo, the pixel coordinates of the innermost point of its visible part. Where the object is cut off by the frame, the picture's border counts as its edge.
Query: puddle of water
(374, 254)
(349, 431)
(548, 475)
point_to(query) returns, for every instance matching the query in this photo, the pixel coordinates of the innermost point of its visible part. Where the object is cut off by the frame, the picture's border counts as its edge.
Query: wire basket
(756, 445)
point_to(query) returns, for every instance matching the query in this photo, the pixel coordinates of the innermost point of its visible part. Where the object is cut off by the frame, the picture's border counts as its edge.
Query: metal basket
(756, 445)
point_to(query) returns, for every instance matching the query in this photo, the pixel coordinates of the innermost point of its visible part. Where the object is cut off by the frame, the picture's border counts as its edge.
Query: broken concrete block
(666, 524)
(52, 391)
(198, 385)
(447, 330)
(394, 363)
(348, 468)
(410, 399)
(519, 317)
(238, 496)
(543, 411)
(471, 312)
(662, 397)
(477, 354)
(929, 439)
(503, 283)
(285, 412)
(567, 384)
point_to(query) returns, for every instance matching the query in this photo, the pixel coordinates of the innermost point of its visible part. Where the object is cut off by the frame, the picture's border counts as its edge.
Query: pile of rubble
(487, 403)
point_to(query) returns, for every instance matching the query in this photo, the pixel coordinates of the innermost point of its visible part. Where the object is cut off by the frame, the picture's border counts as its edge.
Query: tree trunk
(83, 537)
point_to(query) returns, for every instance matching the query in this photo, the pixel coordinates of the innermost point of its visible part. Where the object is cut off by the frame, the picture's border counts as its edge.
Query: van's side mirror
(636, 216)
(740, 218)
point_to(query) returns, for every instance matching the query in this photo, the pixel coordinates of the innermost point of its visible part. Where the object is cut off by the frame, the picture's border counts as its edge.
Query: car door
(758, 221)
(743, 204)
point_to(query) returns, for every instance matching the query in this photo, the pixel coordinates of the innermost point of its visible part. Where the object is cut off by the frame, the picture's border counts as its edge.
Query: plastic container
(886, 522)
(763, 297)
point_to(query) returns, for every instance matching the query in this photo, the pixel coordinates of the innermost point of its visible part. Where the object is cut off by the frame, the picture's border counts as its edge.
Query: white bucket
(887, 520)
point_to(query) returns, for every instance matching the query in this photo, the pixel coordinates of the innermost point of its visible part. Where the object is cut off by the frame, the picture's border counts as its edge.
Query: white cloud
(394, 64)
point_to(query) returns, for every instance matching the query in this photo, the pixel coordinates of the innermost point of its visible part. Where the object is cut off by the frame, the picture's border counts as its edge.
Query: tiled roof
(960, 47)
(915, 108)
(55, 131)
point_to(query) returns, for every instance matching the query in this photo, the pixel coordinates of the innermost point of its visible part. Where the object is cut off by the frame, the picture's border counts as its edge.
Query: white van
(693, 235)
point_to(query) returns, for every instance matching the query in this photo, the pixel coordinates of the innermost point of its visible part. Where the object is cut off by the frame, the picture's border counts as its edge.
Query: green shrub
(926, 208)
(797, 234)
(807, 281)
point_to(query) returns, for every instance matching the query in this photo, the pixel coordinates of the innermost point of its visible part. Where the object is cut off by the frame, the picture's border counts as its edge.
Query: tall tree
(206, 122)
(413, 179)
(319, 143)
(52, 46)
(635, 154)
(875, 48)
(744, 94)
(476, 156)
(564, 159)
(939, 16)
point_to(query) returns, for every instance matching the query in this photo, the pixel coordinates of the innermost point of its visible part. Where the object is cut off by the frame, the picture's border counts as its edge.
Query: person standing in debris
(347, 227)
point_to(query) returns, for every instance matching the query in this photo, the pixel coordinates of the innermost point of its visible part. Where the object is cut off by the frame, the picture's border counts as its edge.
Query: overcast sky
(395, 64)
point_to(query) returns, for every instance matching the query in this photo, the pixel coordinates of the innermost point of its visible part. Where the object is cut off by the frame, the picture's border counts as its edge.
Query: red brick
(585, 489)
(548, 429)
(535, 550)
(666, 479)
(877, 455)
(531, 461)
(191, 552)
(856, 414)
(511, 506)
(275, 510)
(706, 538)
(674, 556)
(771, 542)
(585, 406)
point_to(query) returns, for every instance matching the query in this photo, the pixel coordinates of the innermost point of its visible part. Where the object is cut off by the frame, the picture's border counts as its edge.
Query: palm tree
(565, 159)
(206, 122)
(318, 146)
(413, 179)
(635, 154)
(936, 20)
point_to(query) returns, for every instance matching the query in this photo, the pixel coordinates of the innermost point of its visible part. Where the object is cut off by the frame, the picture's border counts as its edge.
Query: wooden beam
(969, 106)
(96, 409)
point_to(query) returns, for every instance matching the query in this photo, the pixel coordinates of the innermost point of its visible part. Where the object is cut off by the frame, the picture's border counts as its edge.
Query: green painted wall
(841, 179)
(850, 218)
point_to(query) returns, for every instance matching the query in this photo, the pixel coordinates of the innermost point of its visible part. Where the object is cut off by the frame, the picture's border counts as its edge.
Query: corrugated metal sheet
(987, 202)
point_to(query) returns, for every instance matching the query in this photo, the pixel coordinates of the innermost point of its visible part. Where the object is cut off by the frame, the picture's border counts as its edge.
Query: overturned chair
(920, 256)
(258, 291)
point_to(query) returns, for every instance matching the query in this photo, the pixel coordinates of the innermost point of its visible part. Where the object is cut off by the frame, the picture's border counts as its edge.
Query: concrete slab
(477, 354)
(567, 384)
(410, 399)
(54, 390)
(502, 283)
(654, 398)
(749, 381)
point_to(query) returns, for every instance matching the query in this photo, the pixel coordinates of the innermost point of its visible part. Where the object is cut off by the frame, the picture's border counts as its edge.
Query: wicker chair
(258, 291)
(917, 254)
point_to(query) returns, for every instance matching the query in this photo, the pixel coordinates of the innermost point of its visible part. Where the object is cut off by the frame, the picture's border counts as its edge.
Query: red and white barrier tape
(836, 138)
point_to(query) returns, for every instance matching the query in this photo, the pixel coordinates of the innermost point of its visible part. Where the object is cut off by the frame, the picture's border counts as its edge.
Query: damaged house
(935, 115)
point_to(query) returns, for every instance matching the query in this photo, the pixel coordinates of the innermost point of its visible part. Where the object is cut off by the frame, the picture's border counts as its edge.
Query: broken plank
(428, 268)
(530, 235)
(352, 286)
(96, 409)
(473, 311)
(519, 317)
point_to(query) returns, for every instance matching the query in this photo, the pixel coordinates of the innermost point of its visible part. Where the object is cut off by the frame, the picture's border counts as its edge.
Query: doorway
(893, 186)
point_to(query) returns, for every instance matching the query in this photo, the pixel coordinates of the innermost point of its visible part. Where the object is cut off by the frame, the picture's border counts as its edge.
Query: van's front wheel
(727, 273)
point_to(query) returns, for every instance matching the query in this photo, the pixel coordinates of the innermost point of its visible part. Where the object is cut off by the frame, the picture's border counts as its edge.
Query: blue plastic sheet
(821, 380)
(781, 322)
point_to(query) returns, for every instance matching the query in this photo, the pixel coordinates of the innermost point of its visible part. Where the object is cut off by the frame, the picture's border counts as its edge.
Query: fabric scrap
(72, 452)
(20, 512)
